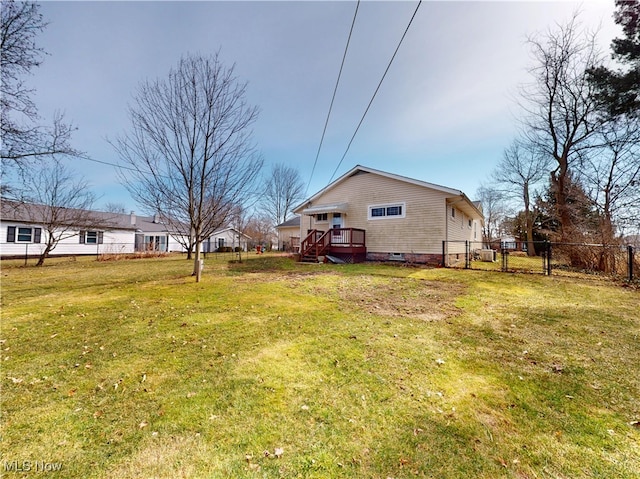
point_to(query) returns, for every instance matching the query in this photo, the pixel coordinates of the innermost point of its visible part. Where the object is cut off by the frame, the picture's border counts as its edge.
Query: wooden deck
(348, 244)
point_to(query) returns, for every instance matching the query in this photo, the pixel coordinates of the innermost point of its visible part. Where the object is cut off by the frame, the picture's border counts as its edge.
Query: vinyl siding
(421, 231)
(113, 242)
(286, 232)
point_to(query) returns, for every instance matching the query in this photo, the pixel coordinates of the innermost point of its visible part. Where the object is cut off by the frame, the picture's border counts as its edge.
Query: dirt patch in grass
(382, 295)
(387, 296)
(400, 297)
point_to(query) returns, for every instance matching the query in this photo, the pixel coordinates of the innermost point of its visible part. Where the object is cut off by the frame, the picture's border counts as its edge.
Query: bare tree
(239, 220)
(560, 106)
(189, 154)
(23, 138)
(520, 170)
(260, 228)
(115, 207)
(493, 209)
(283, 190)
(60, 202)
(611, 173)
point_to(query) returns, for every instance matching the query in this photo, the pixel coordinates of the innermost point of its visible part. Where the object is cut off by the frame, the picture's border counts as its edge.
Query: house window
(453, 212)
(22, 234)
(321, 217)
(155, 243)
(91, 237)
(396, 210)
(470, 223)
(220, 242)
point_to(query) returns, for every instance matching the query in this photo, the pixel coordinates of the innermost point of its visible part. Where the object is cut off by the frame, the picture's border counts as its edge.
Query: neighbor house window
(155, 243)
(453, 212)
(22, 234)
(91, 237)
(470, 223)
(322, 217)
(396, 210)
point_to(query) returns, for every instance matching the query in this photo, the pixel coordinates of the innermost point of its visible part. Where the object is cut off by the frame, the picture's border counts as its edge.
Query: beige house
(372, 215)
(289, 235)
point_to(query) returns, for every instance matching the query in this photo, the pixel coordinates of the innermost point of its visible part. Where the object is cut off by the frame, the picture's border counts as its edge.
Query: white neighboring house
(22, 233)
(225, 238)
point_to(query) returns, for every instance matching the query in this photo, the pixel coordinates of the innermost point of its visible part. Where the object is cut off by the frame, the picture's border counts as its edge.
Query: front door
(336, 220)
(336, 231)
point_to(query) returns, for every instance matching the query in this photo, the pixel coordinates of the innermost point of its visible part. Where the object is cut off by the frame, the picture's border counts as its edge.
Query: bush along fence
(618, 261)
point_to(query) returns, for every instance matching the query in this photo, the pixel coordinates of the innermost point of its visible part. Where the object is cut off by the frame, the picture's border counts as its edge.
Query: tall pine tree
(618, 91)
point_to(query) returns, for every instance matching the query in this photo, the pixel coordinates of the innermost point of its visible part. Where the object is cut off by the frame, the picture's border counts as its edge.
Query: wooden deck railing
(351, 237)
(309, 244)
(317, 242)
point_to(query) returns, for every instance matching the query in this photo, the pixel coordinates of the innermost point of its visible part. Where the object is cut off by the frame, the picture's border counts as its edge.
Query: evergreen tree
(618, 91)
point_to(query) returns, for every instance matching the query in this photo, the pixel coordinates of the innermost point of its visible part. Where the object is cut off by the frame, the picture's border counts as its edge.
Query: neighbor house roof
(35, 213)
(290, 223)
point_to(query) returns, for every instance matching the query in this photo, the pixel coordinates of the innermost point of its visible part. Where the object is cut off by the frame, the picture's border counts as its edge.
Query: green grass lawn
(271, 369)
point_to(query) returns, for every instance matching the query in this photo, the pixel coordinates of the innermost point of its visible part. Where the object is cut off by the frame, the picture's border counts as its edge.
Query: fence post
(26, 253)
(505, 258)
(630, 255)
(444, 263)
(548, 248)
(467, 261)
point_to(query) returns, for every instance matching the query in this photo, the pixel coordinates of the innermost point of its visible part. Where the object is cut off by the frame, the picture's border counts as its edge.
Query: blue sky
(444, 113)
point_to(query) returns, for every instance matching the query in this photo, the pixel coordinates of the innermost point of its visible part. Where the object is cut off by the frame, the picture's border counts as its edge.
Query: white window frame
(18, 234)
(34, 235)
(386, 207)
(91, 237)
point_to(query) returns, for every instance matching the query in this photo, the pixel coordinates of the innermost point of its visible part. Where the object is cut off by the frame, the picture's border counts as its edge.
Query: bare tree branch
(59, 201)
(521, 169)
(23, 138)
(560, 109)
(282, 191)
(189, 154)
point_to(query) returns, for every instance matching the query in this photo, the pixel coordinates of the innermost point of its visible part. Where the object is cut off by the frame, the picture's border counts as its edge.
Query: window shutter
(100, 237)
(11, 234)
(37, 235)
(82, 236)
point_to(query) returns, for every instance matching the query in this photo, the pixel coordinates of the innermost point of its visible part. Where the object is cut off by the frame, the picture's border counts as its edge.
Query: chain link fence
(569, 259)
(30, 252)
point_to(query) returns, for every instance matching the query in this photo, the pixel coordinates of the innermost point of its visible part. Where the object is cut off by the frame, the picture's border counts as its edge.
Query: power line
(84, 157)
(88, 158)
(376, 92)
(344, 56)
